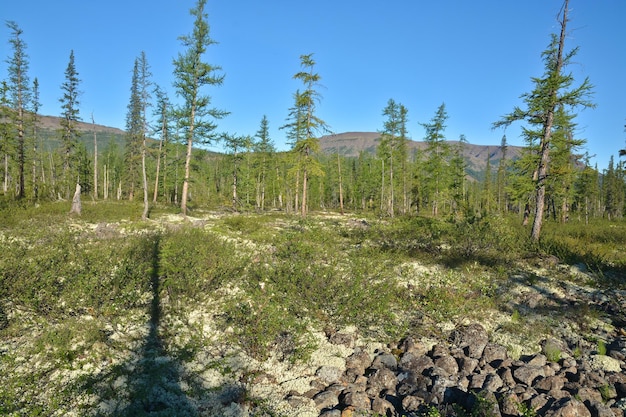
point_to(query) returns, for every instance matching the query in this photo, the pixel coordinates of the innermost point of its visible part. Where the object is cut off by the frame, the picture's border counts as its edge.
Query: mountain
(351, 144)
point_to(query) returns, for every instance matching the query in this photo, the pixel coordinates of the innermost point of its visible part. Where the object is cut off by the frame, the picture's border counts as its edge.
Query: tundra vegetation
(127, 308)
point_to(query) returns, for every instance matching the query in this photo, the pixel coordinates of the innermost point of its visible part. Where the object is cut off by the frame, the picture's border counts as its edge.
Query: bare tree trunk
(146, 206)
(340, 184)
(76, 204)
(95, 159)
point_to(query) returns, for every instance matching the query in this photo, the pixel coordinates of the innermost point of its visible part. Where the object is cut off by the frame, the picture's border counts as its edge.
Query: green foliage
(194, 262)
(601, 347)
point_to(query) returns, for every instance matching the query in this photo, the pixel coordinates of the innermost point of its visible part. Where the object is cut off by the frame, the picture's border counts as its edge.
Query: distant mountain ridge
(351, 144)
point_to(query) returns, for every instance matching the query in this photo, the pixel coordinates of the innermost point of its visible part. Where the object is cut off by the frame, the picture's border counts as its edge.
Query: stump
(76, 205)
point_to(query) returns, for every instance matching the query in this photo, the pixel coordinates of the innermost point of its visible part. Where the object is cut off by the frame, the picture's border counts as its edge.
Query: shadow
(152, 382)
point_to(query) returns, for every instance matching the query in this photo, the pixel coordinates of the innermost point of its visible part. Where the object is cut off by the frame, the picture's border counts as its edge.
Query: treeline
(552, 177)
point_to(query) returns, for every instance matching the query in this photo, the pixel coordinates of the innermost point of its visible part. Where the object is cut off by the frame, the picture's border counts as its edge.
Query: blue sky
(476, 56)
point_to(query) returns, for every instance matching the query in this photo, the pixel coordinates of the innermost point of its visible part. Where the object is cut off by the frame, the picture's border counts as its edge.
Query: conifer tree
(264, 148)
(163, 113)
(35, 104)
(134, 128)
(20, 97)
(436, 164)
(552, 90)
(192, 73)
(308, 124)
(69, 122)
(457, 168)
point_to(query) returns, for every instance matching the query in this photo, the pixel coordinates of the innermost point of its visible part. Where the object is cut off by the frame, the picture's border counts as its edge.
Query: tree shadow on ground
(152, 382)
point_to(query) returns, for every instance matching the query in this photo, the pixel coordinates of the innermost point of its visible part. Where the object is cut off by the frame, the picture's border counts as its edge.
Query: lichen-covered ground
(173, 355)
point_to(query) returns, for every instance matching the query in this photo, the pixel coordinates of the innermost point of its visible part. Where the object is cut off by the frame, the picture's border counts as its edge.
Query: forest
(161, 157)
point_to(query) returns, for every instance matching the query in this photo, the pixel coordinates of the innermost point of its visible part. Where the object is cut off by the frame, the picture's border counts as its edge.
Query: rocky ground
(556, 347)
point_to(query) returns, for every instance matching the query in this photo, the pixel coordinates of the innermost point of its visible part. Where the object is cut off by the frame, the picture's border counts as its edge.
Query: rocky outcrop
(470, 372)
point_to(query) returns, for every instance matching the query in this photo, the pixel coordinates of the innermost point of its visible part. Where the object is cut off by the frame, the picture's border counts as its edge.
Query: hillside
(351, 144)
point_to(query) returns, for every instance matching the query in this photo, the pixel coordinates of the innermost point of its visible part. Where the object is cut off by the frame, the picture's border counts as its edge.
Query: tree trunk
(95, 159)
(146, 207)
(340, 185)
(76, 205)
(544, 160)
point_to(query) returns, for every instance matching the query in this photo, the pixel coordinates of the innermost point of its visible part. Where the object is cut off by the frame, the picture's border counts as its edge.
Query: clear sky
(477, 56)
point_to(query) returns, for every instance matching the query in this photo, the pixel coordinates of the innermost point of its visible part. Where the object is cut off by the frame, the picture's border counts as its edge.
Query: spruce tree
(70, 115)
(20, 98)
(191, 74)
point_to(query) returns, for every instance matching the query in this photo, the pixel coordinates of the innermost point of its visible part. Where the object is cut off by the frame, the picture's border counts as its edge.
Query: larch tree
(163, 113)
(309, 123)
(192, 73)
(436, 163)
(20, 96)
(553, 89)
(6, 134)
(144, 84)
(70, 115)
(34, 107)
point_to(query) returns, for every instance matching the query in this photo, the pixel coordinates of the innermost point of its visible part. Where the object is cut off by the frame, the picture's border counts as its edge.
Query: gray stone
(328, 374)
(411, 403)
(326, 399)
(414, 363)
(382, 407)
(385, 360)
(568, 407)
(473, 339)
(357, 400)
(448, 363)
(600, 410)
(527, 374)
(494, 354)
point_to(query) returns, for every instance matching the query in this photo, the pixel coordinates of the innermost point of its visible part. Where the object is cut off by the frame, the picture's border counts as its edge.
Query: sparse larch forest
(143, 275)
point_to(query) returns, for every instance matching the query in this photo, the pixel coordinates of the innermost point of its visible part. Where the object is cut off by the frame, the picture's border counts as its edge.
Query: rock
(411, 403)
(568, 407)
(598, 409)
(385, 360)
(447, 363)
(493, 383)
(382, 407)
(328, 374)
(550, 383)
(527, 374)
(510, 405)
(586, 394)
(326, 399)
(467, 365)
(380, 380)
(414, 363)
(494, 355)
(359, 401)
(473, 339)
(331, 413)
(359, 360)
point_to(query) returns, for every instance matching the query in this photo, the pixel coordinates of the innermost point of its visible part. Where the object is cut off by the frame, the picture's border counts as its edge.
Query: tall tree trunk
(158, 169)
(340, 184)
(146, 207)
(95, 159)
(185, 192)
